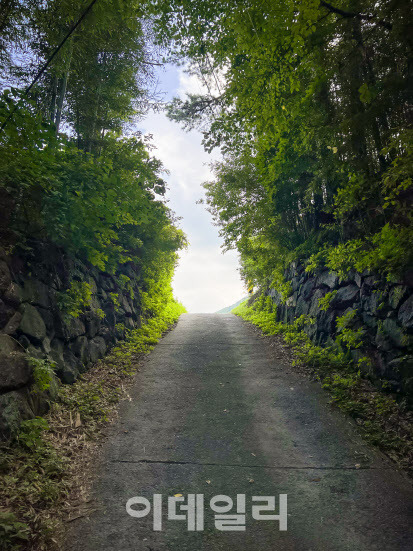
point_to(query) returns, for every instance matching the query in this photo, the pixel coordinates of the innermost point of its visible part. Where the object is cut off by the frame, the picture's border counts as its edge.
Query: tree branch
(360, 16)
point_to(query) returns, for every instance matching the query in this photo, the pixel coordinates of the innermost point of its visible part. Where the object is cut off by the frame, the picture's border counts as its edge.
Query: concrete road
(213, 413)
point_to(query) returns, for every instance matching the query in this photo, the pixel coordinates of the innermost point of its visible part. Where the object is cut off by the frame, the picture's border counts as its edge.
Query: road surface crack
(274, 467)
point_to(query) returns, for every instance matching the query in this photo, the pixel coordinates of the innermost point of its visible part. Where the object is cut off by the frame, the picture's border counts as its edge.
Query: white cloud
(192, 84)
(189, 84)
(181, 152)
(205, 280)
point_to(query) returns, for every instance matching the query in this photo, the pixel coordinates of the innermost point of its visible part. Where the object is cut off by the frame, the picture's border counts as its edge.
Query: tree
(70, 173)
(312, 93)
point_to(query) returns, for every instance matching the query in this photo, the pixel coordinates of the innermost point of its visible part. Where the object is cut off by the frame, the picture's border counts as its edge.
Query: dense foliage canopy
(310, 102)
(72, 170)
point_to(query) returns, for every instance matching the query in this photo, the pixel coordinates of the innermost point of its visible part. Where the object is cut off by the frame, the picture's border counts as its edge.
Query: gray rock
(71, 368)
(295, 283)
(396, 295)
(329, 279)
(276, 297)
(69, 328)
(307, 289)
(56, 283)
(325, 322)
(56, 353)
(349, 278)
(371, 282)
(125, 305)
(405, 315)
(32, 324)
(382, 340)
(6, 313)
(46, 345)
(133, 302)
(107, 283)
(130, 324)
(14, 408)
(93, 286)
(53, 390)
(289, 309)
(24, 341)
(394, 332)
(109, 311)
(8, 345)
(48, 319)
(67, 374)
(15, 371)
(57, 345)
(5, 277)
(97, 348)
(39, 402)
(314, 307)
(120, 315)
(13, 324)
(371, 302)
(302, 307)
(403, 366)
(103, 294)
(93, 324)
(94, 303)
(345, 296)
(311, 329)
(80, 349)
(369, 320)
(291, 302)
(37, 293)
(13, 294)
(108, 336)
(35, 352)
(357, 279)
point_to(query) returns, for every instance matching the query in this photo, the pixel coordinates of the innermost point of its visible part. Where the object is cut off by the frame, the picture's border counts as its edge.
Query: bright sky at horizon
(205, 280)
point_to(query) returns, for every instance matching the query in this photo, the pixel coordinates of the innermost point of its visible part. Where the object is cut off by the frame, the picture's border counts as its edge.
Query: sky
(206, 280)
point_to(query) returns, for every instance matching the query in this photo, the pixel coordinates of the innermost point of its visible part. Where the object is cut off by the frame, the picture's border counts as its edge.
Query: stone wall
(33, 324)
(384, 310)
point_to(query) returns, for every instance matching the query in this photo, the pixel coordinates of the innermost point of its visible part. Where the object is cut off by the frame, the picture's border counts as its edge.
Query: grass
(383, 421)
(44, 470)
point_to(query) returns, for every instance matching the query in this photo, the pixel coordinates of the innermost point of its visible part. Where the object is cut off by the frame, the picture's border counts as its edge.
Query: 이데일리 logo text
(193, 509)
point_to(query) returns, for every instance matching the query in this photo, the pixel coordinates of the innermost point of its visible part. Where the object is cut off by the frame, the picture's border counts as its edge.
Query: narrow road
(214, 413)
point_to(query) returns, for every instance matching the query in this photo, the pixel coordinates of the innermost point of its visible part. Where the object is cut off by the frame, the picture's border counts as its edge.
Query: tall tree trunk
(370, 77)
(63, 87)
(53, 100)
(358, 138)
(95, 129)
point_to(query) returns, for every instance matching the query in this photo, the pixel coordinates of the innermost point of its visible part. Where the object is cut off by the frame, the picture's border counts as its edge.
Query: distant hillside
(229, 308)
